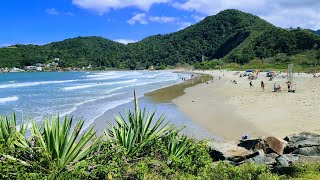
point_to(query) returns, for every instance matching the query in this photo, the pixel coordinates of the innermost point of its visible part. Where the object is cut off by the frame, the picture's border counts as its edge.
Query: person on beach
(251, 85)
(279, 88)
(289, 86)
(262, 85)
(275, 87)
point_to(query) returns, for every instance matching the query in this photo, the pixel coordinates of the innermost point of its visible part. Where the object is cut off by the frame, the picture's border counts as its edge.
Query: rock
(283, 161)
(272, 155)
(302, 144)
(276, 144)
(287, 159)
(308, 151)
(249, 143)
(262, 160)
(252, 144)
(300, 137)
(229, 151)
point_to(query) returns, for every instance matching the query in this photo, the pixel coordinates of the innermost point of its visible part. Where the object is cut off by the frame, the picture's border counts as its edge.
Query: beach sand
(232, 110)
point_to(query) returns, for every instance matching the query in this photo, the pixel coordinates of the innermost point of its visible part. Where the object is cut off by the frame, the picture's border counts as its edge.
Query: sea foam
(26, 84)
(97, 84)
(9, 99)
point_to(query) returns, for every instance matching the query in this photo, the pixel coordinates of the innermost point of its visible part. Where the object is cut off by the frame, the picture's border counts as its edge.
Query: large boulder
(308, 151)
(262, 160)
(229, 151)
(304, 143)
(287, 159)
(300, 137)
(276, 144)
(254, 144)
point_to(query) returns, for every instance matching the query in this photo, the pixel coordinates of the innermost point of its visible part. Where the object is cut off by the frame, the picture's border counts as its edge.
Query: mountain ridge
(230, 35)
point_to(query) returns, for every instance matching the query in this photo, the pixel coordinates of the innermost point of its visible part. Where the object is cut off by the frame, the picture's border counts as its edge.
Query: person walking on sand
(251, 85)
(262, 86)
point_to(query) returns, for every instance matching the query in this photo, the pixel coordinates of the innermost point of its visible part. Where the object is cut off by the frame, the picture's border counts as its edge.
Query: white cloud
(142, 18)
(5, 45)
(125, 41)
(52, 11)
(163, 19)
(102, 6)
(282, 13)
(198, 18)
(138, 18)
(183, 25)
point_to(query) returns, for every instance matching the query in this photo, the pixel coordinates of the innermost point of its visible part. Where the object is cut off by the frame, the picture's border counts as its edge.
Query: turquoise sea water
(85, 95)
(82, 94)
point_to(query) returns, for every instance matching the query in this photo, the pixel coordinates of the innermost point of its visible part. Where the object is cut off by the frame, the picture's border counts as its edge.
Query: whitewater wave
(9, 99)
(75, 107)
(97, 84)
(26, 84)
(101, 78)
(102, 109)
(94, 75)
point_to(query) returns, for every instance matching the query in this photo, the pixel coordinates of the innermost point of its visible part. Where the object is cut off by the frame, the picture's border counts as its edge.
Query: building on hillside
(39, 69)
(30, 68)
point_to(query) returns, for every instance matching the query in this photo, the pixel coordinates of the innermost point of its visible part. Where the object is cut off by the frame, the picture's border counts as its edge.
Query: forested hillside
(231, 35)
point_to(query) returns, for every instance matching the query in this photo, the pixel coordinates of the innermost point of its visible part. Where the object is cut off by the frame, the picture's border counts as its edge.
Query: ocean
(85, 95)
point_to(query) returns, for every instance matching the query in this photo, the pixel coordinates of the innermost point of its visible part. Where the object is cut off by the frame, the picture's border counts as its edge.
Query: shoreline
(161, 101)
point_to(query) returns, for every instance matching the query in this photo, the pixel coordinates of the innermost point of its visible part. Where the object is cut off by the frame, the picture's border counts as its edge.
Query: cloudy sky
(44, 21)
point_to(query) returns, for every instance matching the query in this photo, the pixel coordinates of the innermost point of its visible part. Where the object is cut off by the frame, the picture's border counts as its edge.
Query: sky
(44, 21)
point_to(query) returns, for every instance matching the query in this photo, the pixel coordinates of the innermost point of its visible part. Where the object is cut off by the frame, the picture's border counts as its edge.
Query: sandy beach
(232, 110)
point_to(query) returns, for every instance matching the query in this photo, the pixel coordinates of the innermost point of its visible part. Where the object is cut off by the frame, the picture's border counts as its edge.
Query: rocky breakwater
(271, 151)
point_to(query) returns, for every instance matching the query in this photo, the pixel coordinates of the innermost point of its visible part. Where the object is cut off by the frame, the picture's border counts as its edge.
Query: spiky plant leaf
(138, 129)
(61, 144)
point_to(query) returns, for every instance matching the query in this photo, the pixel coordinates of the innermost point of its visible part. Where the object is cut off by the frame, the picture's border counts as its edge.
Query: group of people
(276, 87)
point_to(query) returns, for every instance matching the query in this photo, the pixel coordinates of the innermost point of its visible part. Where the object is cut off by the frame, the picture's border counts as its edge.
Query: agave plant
(10, 135)
(177, 146)
(61, 144)
(139, 129)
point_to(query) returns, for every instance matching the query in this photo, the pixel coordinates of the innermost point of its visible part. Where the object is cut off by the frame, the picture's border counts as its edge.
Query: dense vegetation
(137, 146)
(231, 36)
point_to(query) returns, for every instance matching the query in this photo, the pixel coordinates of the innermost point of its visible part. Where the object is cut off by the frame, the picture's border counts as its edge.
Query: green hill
(231, 35)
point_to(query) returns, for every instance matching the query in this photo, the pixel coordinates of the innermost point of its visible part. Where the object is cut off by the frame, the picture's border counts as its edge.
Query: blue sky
(45, 21)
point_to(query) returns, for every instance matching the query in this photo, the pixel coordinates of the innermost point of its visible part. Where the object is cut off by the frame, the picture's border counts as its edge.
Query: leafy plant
(10, 135)
(61, 144)
(140, 129)
(177, 145)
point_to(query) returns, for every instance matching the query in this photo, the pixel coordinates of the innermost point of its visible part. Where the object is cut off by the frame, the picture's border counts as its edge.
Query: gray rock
(229, 151)
(302, 144)
(251, 144)
(308, 151)
(262, 160)
(283, 162)
(273, 155)
(300, 137)
(287, 159)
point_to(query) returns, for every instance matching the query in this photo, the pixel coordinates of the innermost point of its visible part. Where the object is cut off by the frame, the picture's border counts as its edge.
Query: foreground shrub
(58, 142)
(140, 130)
(108, 161)
(10, 135)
